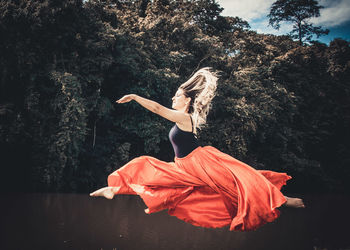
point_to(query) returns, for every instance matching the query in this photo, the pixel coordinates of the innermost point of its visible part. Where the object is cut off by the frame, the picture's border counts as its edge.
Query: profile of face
(180, 101)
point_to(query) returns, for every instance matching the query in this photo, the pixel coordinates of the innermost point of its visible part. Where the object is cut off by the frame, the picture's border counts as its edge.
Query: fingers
(120, 100)
(126, 98)
(123, 100)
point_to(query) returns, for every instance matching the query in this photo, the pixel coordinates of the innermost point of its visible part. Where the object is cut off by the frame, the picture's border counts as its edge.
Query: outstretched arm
(169, 114)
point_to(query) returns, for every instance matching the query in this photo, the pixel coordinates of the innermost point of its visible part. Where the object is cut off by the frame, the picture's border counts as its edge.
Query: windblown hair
(201, 89)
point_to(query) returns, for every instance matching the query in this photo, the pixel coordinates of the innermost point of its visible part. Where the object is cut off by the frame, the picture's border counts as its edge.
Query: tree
(279, 106)
(297, 12)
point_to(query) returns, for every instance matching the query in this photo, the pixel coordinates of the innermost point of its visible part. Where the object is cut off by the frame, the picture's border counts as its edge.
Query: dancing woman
(203, 186)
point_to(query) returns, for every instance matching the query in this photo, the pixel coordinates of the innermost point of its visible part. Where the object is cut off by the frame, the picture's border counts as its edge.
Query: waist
(183, 149)
(188, 154)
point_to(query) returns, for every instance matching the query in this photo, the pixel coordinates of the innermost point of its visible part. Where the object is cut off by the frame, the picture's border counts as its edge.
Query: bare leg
(294, 202)
(107, 192)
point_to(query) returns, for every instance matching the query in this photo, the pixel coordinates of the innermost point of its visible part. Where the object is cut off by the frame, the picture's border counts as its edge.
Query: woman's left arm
(169, 114)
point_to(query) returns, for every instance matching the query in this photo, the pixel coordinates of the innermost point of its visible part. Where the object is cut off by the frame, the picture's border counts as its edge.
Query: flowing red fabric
(207, 188)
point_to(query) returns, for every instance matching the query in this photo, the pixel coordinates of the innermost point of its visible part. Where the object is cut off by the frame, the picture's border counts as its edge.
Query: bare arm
(169, 114)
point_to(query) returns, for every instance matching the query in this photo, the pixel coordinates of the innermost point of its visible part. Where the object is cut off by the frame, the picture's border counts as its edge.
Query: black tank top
(183, 142)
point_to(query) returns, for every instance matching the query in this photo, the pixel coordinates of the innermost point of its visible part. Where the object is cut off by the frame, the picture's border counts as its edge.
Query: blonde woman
(203, 186)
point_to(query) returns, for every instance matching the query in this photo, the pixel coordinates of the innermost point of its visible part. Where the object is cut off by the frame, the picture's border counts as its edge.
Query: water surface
(77, 221)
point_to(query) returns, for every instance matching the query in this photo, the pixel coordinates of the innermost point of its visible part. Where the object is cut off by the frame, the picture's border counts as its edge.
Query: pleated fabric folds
(207, 188)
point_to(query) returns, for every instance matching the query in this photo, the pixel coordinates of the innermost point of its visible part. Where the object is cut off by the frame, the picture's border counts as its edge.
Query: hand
(126, 98)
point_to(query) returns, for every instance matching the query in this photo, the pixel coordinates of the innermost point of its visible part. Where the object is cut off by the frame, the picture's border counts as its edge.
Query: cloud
(255, 12)
(261, 26)
(248, 10)
(335, 13)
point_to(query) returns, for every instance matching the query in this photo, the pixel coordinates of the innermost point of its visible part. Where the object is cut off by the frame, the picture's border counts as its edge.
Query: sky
(335, 16)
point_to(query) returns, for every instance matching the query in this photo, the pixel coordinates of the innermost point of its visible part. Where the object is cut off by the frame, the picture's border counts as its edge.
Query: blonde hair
(201, 89)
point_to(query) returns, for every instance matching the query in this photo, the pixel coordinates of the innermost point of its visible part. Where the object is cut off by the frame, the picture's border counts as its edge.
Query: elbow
(156, 108)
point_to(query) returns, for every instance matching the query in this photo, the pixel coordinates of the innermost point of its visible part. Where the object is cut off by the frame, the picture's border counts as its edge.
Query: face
(180, 101)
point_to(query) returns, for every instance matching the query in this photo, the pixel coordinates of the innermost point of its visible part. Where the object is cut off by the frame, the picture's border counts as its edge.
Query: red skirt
(206, 188)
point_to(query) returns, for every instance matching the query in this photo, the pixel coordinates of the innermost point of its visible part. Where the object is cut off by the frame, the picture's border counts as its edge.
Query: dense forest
(280, 105)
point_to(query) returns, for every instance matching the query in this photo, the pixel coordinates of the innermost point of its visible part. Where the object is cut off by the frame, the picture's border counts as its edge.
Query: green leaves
(67, 140)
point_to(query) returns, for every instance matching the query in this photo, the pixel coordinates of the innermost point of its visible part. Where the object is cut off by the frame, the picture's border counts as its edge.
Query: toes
(106, 192)
(95, 193)
(301, 203)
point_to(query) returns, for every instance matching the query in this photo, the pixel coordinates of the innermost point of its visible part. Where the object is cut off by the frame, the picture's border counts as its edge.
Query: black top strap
(191, 123)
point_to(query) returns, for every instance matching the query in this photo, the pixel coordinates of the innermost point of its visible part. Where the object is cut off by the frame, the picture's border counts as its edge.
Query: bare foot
(107, 192)
(294, 202)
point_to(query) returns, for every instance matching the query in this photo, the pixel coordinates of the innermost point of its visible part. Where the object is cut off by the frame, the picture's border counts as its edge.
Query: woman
(203, 186)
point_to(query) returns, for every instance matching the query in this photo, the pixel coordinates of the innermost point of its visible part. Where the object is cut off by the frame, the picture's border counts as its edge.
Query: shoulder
(173, 115)
(186, 123)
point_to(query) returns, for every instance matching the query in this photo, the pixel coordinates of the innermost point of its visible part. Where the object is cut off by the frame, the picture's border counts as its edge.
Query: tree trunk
(299, 26)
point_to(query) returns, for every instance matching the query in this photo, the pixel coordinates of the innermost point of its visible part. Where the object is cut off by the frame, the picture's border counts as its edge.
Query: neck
(184, 109)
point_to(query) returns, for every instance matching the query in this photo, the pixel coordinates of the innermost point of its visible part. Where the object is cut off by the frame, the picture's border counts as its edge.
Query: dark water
(76, 221)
